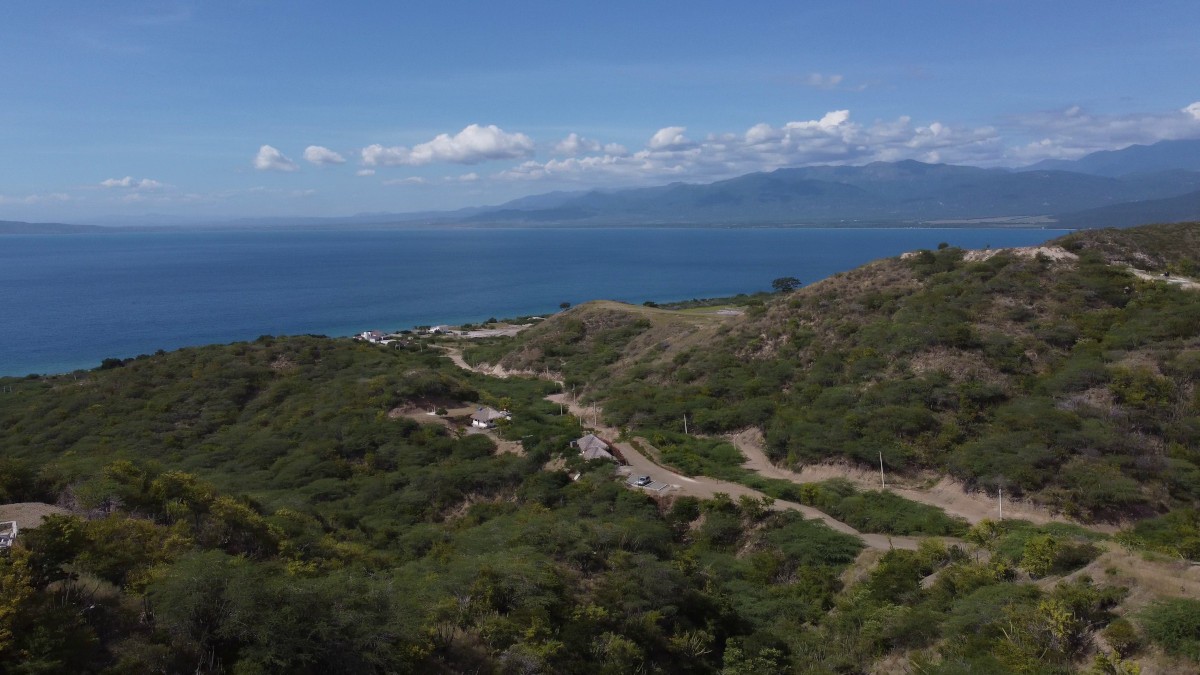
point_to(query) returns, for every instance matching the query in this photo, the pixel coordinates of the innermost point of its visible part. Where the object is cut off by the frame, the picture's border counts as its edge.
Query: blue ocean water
(69, 301)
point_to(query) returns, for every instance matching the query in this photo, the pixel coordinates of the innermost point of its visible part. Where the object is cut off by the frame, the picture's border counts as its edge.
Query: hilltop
(1065, 374)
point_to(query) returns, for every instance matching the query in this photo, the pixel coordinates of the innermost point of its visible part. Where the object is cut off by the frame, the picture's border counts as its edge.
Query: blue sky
(253, 108)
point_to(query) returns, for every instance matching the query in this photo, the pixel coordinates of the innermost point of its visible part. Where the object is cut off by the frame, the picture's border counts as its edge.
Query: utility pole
(1001, 502)
(882, 482)
(685, 424)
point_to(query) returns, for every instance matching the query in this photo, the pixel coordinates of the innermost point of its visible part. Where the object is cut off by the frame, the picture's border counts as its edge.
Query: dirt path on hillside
(701, 487)
(704, 487)
(1182, 282)
(455, 354)
(946, 493)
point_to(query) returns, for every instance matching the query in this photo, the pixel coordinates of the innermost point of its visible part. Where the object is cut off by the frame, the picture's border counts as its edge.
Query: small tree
(1041, 552)
(785, 284)
(564, 305)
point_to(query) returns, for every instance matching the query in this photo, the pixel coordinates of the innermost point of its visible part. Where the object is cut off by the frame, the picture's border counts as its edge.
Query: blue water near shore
(69, 301)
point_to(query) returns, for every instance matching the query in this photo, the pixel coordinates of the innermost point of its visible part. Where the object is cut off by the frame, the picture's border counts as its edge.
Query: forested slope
(287, 506)
(255, 508)
(1057, 374)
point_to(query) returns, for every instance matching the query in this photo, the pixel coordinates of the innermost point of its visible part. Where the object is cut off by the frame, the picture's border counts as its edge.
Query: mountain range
(1134, 185)
(1138, 184)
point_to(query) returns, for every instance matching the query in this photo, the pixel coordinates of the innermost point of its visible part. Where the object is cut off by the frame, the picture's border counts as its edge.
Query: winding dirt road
(972, 508)
(704, 487)
(946, 493)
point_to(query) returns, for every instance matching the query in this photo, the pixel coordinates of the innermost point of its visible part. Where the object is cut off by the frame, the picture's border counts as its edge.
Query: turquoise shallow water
(69, 301)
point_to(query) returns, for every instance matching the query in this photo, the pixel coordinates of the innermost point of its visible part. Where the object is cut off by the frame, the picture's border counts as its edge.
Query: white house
(372, 336)
(486, 418)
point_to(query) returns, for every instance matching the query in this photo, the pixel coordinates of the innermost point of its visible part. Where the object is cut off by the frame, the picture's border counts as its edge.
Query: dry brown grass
(958, 364)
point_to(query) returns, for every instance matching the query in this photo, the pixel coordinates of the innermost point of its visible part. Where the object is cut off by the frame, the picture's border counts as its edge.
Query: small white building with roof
(592, 446)
(487, 417)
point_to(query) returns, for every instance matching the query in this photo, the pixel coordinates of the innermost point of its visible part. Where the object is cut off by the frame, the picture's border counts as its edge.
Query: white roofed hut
(592, 446)
(487, 417)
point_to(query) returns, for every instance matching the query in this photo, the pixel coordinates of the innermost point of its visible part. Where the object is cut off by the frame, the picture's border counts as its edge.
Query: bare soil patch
(29, 514)
(1057, 253)
(425, 412)
(503, 446)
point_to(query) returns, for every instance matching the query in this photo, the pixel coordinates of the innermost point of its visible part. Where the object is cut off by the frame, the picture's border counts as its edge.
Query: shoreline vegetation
(313, 504)
(484, 328)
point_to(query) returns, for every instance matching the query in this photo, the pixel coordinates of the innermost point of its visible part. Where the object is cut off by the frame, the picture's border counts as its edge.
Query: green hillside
(1060, 375)
(288, 505)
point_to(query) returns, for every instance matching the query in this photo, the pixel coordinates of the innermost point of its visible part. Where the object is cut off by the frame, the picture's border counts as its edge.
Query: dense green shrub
(1174, 625)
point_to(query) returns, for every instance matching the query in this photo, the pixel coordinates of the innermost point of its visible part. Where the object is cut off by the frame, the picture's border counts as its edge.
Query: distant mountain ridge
(1183, 154)
(1100, 189)
(21, 227)
(880, 193)
(1134, 185)
(1178, 209)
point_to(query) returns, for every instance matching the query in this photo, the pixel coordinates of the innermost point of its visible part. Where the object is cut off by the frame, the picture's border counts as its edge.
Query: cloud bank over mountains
(675, 153)
(506, 163)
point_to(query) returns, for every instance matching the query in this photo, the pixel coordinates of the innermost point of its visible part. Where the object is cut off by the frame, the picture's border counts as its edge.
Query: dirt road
(455, 354)
(698, 486)
(946, 494)
(706, 488)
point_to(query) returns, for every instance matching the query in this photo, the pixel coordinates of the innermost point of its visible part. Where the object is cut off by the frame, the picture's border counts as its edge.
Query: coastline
(78, 300)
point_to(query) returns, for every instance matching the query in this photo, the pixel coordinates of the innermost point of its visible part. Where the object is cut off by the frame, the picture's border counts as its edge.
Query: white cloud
(833, 138)
(465, 178)
(1074, 132)
(319, 155)
(837, 138)
(270, 159)
(472, 145)
(669, 138)
(411, 180)
(377, 155)
(129, 182)
(365, 172)
(574, 144)
(822, 81)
